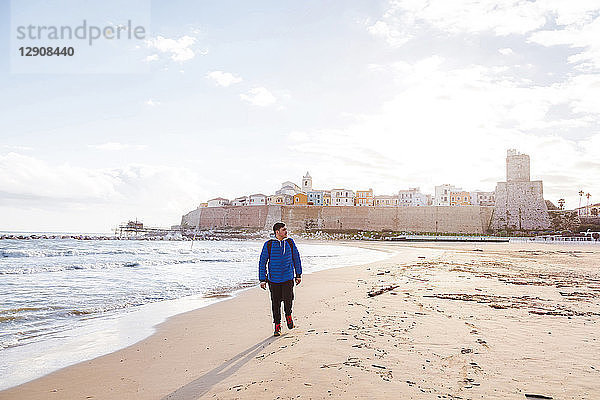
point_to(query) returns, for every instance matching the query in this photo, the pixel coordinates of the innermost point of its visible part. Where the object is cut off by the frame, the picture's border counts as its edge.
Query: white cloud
(259, 96)
(576, 24)
(577, 35)
(103, 197)
(28, 177)
(404, 17)
(152, 103)
(178, 49)
(116, 146)
(17, 147)
(393, 36)
(454, 125)
(506, 51)
(153, 57)
(224, 79)
(298, 136)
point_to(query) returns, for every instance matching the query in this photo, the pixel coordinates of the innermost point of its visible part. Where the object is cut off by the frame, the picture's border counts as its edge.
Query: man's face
(281, 233)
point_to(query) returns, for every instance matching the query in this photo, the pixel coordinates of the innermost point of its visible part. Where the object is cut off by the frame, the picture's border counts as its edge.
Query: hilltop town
(516, 204)
(293, 194)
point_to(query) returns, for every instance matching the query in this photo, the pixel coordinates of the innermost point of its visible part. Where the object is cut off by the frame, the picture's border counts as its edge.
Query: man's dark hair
(278, 226)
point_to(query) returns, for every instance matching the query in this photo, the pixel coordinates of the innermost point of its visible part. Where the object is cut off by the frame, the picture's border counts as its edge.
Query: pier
(137, 229)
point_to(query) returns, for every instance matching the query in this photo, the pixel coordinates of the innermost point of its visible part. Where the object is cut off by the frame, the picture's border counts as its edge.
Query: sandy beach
(450, 321)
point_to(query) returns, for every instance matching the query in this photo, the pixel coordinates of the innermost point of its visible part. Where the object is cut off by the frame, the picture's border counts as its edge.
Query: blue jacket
(282, 263)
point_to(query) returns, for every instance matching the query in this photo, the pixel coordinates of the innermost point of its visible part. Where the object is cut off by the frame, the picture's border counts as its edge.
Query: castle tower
(520, 202)
(517, 166)
(306, 182)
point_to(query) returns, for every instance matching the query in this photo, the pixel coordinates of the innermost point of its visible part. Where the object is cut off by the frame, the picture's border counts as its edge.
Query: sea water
(63, 301)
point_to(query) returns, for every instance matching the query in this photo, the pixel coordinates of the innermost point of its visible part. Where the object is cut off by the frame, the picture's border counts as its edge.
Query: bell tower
(306, 183)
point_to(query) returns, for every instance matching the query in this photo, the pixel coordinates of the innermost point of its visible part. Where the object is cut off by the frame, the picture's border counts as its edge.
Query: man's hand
(298, 280)
(263, 285)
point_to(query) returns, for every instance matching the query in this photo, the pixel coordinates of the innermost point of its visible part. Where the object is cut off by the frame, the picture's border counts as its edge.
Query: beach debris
(537, 396)
(378, 366)
(542, 278)
(386, 375)
(578, 295)
(535, 305)
(351, 362)
(374, 293)
(475, 366)
(469, 383)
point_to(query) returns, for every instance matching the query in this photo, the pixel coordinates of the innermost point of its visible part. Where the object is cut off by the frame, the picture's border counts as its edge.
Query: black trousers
(283, 291)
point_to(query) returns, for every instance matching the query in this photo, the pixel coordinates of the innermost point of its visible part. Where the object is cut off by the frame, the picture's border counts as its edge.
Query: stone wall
(441, 219)
(191, 219)
(520, 206)
(468, 219)
(230, 217)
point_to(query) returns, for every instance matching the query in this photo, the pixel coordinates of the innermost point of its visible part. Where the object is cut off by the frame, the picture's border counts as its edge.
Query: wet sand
(453, 321)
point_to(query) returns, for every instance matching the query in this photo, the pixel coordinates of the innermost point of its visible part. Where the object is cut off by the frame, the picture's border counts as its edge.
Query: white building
(257, 199)
(218, 202)
(442, 194)
(289, 188)
(342, 197)
(479, 198)
(385, 201)
(412, 198)
(240, 201)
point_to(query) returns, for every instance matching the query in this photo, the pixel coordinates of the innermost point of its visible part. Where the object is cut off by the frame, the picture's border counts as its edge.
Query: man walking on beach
(283, 258)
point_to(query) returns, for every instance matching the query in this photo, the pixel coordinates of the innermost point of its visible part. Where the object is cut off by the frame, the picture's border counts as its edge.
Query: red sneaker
(290, 321)
(277, 330)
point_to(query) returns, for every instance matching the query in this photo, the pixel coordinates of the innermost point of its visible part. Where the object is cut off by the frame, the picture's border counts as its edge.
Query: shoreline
(105, 334)
(217, 351)
(156, 329)
(317, 236)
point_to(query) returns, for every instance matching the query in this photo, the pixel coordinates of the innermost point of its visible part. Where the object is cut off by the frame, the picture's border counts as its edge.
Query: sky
(231, 98)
